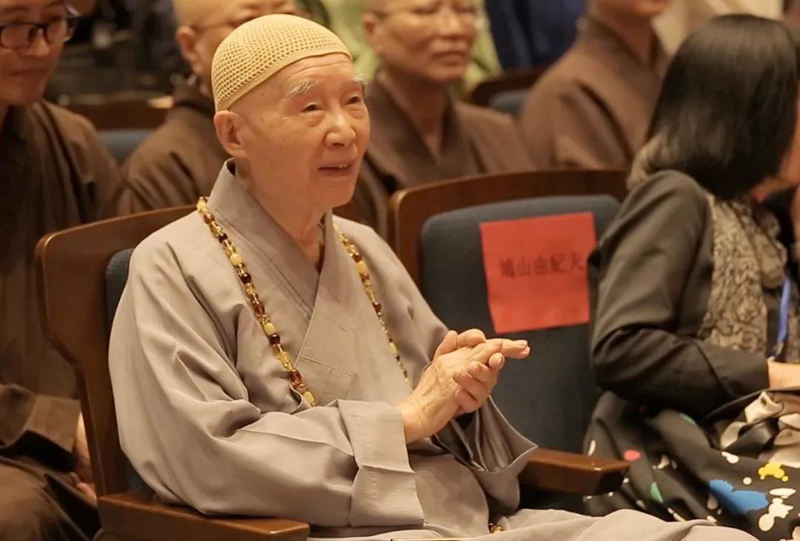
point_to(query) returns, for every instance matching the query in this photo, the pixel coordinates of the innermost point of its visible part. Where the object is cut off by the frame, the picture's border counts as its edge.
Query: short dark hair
(727, 110)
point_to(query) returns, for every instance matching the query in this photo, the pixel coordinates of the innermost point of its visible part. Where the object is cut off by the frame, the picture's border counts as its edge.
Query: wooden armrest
(570, 473)
(127, 515)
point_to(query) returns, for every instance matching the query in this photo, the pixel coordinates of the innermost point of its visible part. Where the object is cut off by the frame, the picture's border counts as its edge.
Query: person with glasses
(179, 162)
(54, 174)
(591, 109)
(420, 132)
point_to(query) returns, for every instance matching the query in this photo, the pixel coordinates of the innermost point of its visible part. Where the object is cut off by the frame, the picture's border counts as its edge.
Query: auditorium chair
(79, 287)
(436, 231)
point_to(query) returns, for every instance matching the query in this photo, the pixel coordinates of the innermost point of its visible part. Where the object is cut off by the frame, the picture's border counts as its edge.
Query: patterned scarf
(748, 261)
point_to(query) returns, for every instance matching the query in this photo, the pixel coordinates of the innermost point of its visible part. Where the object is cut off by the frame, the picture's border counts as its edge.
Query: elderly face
(199, 41)
(302, 134)
(637, 9)
(427, 39)
(26, 65)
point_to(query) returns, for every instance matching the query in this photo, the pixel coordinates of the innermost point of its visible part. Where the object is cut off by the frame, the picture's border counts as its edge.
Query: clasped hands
(459, 380)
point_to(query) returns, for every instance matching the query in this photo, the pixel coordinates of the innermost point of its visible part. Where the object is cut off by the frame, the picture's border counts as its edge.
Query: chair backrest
(71, 268)
(133, 113)
(122, 143)
(520, 79)
(409, 209)
(510, 101)
(550, 396)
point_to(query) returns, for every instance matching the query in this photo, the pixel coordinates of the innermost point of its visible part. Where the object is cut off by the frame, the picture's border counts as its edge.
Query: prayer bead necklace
(264, 319)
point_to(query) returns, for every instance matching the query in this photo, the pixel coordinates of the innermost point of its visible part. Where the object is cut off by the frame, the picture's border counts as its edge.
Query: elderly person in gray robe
(270, 359)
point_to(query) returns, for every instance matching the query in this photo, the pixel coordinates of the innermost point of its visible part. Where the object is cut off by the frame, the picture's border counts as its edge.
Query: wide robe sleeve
(37, 424)
(483, 441)
(188, 427)
(655, 268)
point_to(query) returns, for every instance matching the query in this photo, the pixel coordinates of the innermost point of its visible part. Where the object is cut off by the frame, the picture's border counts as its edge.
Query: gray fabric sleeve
(642, 349)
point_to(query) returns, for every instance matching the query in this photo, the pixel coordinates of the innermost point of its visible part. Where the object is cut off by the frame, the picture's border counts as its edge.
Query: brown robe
(55, 174)
(179, 162)
(593, 108)
(476, 140)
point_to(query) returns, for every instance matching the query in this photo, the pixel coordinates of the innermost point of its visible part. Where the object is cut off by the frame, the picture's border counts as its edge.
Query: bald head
(203, 24)
(199, 13)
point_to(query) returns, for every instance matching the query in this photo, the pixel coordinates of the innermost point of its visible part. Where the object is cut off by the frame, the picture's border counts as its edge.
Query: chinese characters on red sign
(536, 271)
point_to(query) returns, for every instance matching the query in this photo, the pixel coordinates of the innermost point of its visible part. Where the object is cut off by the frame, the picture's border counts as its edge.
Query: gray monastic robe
(55, 174)
(475, 140)
(207, 416)
(593, 107)
(178, 162)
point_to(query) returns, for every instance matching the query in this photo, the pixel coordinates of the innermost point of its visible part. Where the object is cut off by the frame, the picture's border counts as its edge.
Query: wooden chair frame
(409, 209)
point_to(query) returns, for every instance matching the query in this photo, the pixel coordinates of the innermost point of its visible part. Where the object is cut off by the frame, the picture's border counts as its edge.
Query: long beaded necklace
(264, 319)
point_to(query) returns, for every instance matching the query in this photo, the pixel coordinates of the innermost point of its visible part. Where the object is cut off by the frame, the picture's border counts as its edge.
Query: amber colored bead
(260, 310)
(295, 378)
(283, 358)
(377, 306)
(222, 236)
(357, 257)
(236, 259)
(245, 278)
(207, 218)
(274, 339)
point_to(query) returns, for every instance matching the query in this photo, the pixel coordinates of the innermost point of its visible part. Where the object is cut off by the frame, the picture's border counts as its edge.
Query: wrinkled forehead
(333, 73)
(19, 9)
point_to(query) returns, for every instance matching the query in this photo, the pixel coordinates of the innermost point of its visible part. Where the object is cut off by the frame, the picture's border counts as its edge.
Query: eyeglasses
(23, 35)
(466, 12)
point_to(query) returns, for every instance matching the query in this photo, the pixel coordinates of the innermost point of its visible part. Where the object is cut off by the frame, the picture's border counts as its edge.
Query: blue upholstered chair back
(510, 101)
(122, 143)
(116, 278)
(550, 396)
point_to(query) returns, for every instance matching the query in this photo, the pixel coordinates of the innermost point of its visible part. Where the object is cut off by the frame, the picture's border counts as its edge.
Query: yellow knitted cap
(260, 48)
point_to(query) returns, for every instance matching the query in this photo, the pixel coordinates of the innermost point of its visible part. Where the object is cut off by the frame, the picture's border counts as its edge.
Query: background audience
(420, 133)
(181, 160)
(55, 174)
(592, 108)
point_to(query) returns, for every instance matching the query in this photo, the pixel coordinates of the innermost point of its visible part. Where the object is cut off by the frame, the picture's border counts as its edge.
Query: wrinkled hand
(515, 349)
(82, 476)
(460, 378)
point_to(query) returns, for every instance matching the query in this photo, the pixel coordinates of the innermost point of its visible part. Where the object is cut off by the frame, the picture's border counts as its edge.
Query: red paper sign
(536, 271)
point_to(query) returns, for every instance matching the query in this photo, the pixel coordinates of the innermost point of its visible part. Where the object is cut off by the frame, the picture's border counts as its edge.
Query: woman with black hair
(695, 314)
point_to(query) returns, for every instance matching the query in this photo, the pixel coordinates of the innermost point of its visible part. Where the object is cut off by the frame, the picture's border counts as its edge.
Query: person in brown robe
(55, 174)
(179, 162)
(593, 107)
(420, 133)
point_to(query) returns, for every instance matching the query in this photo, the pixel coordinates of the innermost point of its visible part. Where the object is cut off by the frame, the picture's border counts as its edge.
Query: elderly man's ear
(228, 125)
